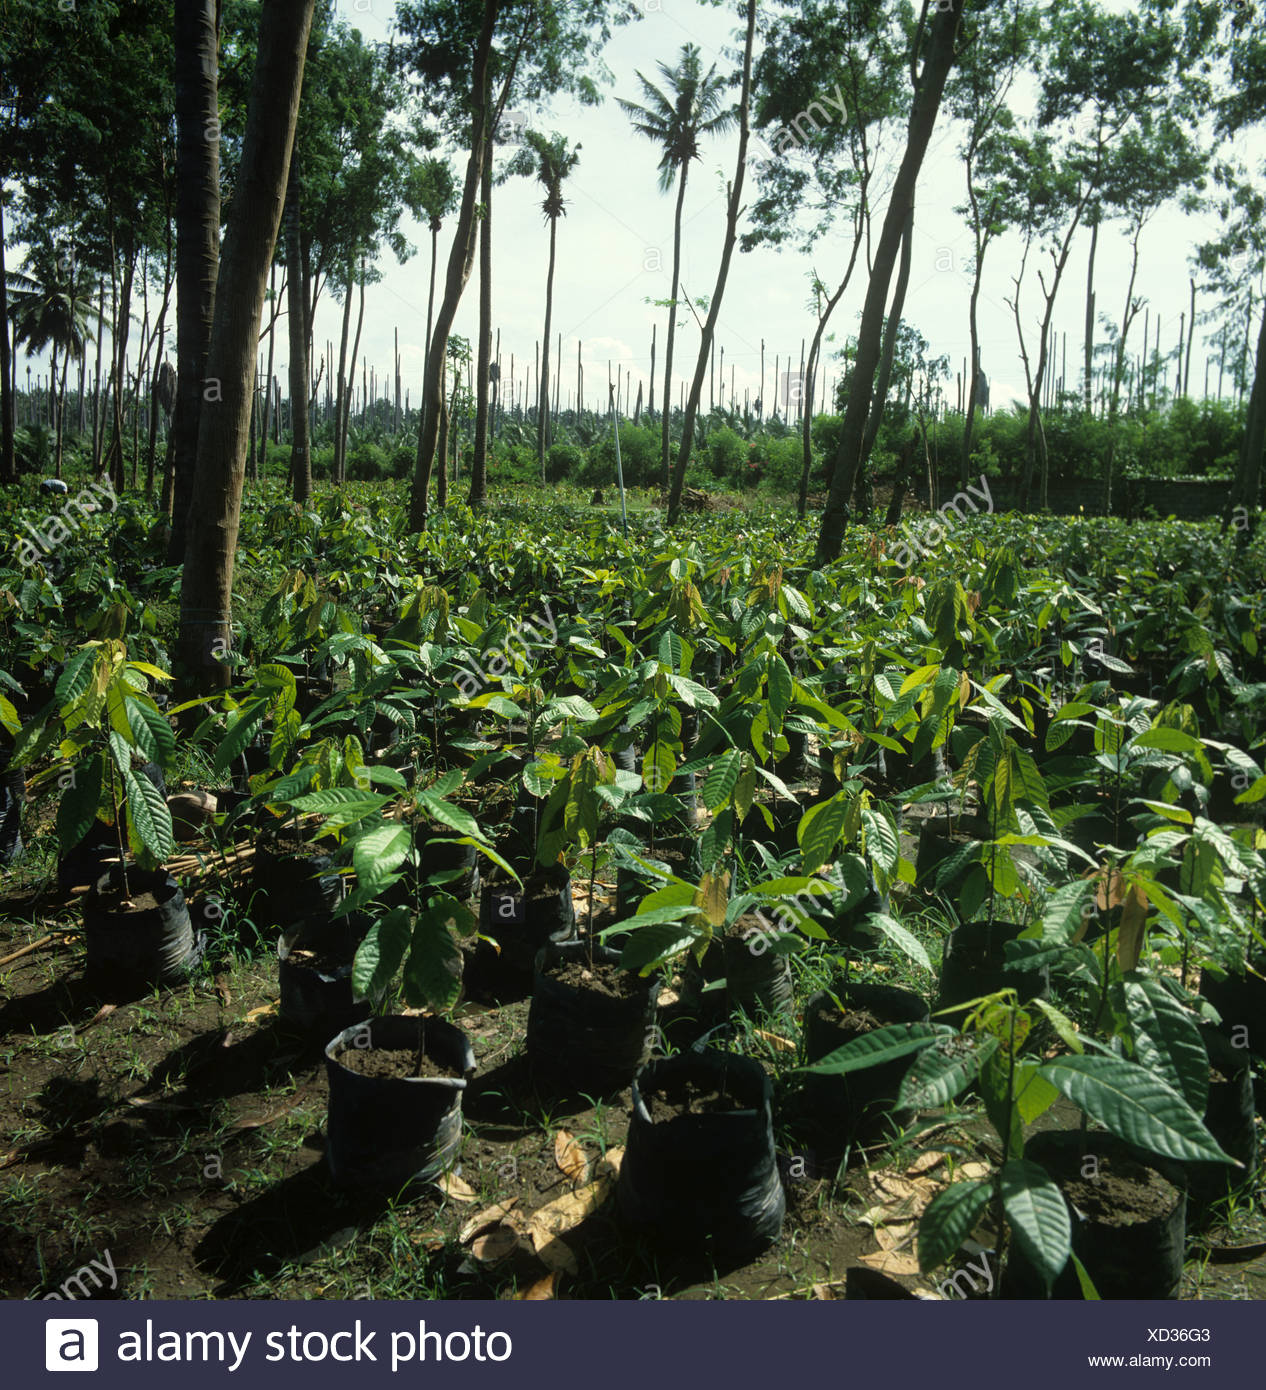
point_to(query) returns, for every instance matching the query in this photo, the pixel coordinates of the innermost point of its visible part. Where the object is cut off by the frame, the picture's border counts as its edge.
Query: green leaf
(243, 730)
(692, 693)
(722, 779)
(941, 1071)
(380, 851)
(1168, 740)
(447, 814)
(151, 732)
(75, 678)
(819, 832)
(1088, 1290)
(148, 815)
(1038, 1215)
(781, 687)
(340, 806)
(901, 937)
(881, 1045)
(432, 974)
(80, 802)
(379, 955)
(1166, 1039)
(951, 1216)
(651, 945)
(1135, 1106)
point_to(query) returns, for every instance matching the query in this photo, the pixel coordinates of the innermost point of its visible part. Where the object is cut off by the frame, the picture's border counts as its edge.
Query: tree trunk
(542, 412)
(296, 318)
(206, 628)
(927, 102)
(1087, 366)
(892, 326)
(969, 422)
(197, 239)
(1247, 489)
(345, 421)
(8, 456)
(460, 261)
(665, 428)
(479, 463)
(341, 392)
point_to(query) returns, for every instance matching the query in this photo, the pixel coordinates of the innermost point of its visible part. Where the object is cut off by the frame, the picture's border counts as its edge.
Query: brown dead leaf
(1130, 931)
(223, 990)
(931, 1158)
(827, 1293)
(263, 1011)
(570, 1157)
(557, 1255)
(779, 1043)
(103, 1012)
(542, 1289)
(455, 1186)
(265, 1117)
(431, 1239)
(611, 1161)
(495, 1245)
(890, 1262)
(558, 1217)
(484, 1220)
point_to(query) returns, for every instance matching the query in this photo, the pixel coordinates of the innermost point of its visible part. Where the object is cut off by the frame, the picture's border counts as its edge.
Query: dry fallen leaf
(933, 1158)
(263, 1011)
(495, 1245)
(891, 1262)
(611, 1160)
(780, 1044)
(455, 1186)
(483, 1220)
(557, 1255)
(103, 1012)
(542, 1289)
(558, 1217)
(222, 989)
(265, 1117)
(570, 1157)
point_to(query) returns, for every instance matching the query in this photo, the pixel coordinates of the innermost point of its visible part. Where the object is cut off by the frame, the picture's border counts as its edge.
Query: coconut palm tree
(50, 305)
(554, 162)
(692, 106)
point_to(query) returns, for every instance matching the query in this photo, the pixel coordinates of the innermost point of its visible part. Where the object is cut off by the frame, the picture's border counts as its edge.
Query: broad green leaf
(432, 973)
(1166, 1039)
(151, 732)
(239, 735)
(148, 815)
(1038, 1217)
(819, 832)
(951, 1216)
(882, 1045)
(651, 945)
(379, 955)
(447, 814)
(380, 851)
(80, 801)
(722, 779)
(1132, 1103)
(942, 1070)
(901, 937)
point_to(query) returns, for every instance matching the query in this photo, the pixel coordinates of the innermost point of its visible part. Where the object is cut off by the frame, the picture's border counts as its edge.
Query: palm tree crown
(49, 306)
(693, 106)
(555, 161)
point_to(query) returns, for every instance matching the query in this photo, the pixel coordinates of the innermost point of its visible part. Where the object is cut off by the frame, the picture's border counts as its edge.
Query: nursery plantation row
(562, 906)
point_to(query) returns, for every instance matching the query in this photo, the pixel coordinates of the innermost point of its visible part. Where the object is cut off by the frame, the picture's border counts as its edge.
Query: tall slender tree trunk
(206, 625)
(8, 456)
(665, 429)
(478, 495)
(973, 387)
(863, 489)
(1088, 350)
(733, 207)
(461, 260)
(345, 421)
(296, 318)
(340, 397)
(542, 413)
(927, 101)
(1246, 491)
(197, 239)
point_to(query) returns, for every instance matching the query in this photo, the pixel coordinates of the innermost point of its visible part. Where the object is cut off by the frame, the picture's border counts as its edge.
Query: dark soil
(853, 1022)
(323, 962)
(683, 1096)
(115, 902)
(391, 1062)
(1123, 1193)
(605, 979)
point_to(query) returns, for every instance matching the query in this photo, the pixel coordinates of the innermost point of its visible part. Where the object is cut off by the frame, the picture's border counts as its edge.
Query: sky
(615, 253)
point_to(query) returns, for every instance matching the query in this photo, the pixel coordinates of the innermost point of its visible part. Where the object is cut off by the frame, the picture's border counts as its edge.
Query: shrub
(725, 452)
(565, 462)
(639, 456)
(366, 462)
